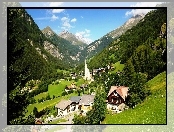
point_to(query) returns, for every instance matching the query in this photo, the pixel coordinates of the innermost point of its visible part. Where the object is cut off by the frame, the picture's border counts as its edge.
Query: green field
(117, 67)
(151, 111)
(39, 96)
(47, 103)
(58, 121)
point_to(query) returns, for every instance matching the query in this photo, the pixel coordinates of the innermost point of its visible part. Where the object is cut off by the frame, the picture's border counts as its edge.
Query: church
(87, 76)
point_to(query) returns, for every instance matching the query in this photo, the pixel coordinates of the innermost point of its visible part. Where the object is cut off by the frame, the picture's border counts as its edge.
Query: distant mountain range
(98, 45)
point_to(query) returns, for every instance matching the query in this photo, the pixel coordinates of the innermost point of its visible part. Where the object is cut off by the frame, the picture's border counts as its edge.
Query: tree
(35, 111)
(138, 89)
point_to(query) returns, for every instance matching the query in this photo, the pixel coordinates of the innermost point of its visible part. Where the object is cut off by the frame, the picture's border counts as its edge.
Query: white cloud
(55, 4)
(64, 19)
(141, 11)
(54, 17)
(57, 10)
(73, 20)
(66, 23)
(87, 31)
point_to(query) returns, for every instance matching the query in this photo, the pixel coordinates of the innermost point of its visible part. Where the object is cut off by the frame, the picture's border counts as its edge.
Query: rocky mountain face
(98, 45)
(65, 46)
(75, 40)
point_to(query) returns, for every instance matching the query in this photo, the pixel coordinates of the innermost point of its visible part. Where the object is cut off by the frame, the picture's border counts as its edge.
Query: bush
(48, 97)
(64, 93)
(53, 96)
(35, 111)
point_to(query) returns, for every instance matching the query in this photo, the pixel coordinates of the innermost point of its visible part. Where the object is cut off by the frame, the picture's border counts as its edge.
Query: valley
(64, 79)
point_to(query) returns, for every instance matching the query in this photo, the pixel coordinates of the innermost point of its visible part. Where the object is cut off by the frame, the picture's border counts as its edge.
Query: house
(83, 86)
(94, 71)
(116, 96)
(75, 102)
(63, 107)
(71, 87)
(86, 102)
(74, 77)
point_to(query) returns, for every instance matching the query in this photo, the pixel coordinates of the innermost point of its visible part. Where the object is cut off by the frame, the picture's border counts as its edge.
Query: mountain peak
(48, 31)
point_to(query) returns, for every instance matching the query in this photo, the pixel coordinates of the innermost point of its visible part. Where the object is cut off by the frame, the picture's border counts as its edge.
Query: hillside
(143, 46)
(28, 59)
(145, 113)
(70, 53)
(98, 45)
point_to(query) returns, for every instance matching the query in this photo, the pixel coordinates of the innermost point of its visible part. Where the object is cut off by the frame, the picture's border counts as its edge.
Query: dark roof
(75, 99)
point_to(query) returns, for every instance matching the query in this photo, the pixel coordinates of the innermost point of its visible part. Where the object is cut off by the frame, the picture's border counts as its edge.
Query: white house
(63, 107)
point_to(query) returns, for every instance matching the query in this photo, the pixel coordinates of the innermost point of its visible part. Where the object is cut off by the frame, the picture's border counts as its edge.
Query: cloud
(141, 11)
(87, 31)
(54, 17)
(66, 23)
(64, 19)
(55, 4)
(81, 16)
(73, 20)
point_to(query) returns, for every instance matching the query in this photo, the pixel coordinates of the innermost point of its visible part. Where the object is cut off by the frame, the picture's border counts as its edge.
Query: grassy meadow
(117, 67)
(55, 90)
(151, 111)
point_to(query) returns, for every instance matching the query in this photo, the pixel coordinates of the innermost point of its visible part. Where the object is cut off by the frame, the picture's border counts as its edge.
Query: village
(80, 105)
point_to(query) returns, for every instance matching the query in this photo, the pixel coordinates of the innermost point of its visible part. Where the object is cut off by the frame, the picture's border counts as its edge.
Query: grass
(117, 67)
(58, 121)
(80, 82)
(47, 103)
(151, 111)
(58, 89)
(39, 96)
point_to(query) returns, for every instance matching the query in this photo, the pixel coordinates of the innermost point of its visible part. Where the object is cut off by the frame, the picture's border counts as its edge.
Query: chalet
(63, 107)
(86, 102)
(116, 96)
(75, 102)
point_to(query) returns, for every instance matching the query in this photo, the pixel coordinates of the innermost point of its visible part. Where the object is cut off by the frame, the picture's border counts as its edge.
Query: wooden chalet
(116, 96)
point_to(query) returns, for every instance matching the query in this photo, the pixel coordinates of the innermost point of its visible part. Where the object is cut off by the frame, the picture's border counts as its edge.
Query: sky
(92, 24)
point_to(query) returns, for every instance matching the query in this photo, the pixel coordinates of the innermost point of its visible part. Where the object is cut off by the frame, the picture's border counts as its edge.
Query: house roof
(87, 99)
(63, 104)
(75, 99)
(121, 90)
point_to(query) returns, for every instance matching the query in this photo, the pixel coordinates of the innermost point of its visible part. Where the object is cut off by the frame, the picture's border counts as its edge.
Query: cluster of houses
(115, 101)
(74, 87)
(75, 103)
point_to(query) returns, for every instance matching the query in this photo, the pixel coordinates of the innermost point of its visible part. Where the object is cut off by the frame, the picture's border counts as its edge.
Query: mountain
(98, 45)
(67, 47)
(141, 48)
(75, 40)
